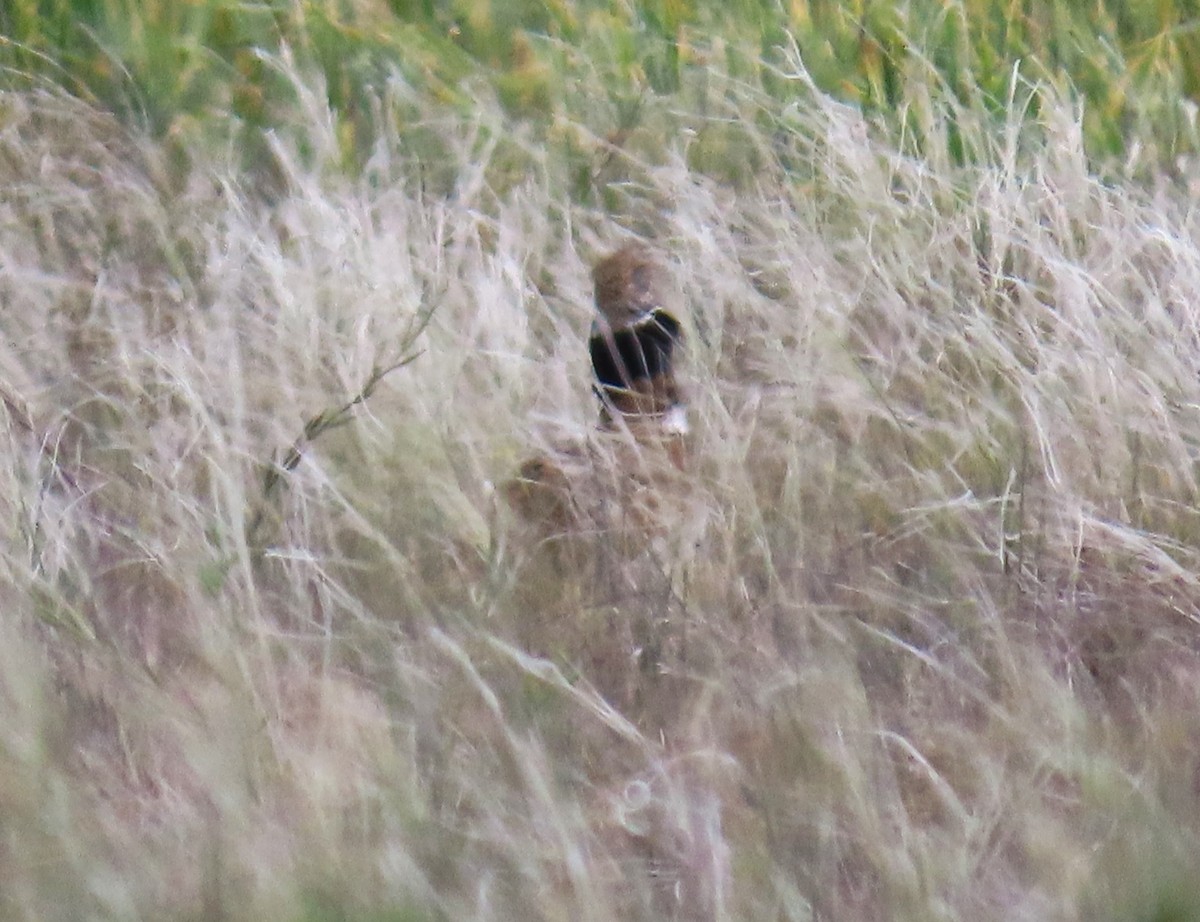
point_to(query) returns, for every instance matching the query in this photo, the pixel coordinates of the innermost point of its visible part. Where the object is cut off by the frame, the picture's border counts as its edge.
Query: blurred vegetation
(929, 646)
(195, 69)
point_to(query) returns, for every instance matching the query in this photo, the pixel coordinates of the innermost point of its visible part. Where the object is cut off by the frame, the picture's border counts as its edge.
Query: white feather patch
(675, 421)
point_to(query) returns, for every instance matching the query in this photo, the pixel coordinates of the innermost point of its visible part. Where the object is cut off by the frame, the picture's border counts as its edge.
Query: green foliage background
(197, 68)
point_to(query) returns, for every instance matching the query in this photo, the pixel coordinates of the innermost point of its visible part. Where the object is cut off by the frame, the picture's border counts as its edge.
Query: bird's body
(606, 511)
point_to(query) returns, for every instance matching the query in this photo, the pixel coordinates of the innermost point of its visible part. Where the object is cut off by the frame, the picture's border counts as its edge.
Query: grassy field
(288, 293)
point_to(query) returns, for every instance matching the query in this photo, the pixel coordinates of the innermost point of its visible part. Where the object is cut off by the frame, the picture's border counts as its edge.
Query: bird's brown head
(629, 284)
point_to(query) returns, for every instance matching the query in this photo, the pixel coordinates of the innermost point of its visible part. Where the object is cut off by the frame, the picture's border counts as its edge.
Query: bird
(603, 518)
(634, 342)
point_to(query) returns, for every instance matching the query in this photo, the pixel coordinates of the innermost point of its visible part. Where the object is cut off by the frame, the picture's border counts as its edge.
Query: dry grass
(918, 639)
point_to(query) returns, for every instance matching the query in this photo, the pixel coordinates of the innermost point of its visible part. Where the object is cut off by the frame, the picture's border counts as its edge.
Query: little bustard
(641, 442)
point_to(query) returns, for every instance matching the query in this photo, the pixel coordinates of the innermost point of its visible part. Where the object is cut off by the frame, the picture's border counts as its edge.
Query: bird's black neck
(640, 352)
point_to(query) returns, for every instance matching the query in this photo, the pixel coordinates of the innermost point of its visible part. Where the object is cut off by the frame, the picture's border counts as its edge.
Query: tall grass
(917, 638)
